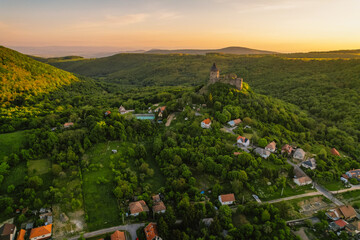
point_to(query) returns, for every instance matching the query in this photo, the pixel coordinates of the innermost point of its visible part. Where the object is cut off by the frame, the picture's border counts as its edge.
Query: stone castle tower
(214, 74)
(231, 79)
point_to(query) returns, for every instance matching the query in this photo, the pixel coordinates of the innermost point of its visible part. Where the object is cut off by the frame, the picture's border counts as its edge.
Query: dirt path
(346, 190)
(169, 119)
(294, 197)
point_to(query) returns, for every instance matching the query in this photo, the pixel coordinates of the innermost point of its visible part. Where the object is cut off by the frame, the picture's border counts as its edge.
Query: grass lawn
(333, 186)
(38, 167)
(349, 196)
(265, 195)
(15, 176)
(11, 143)
(100, 203)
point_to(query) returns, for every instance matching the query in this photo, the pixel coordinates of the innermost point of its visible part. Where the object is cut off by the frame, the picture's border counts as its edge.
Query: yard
(38, 167)
(11, 143)
(333, 186)
(265, 194)
(100, 203)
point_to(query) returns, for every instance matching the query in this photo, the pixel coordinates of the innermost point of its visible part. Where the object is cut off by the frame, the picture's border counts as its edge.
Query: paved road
(328, 194)
(131, 228)
(319, 188)
(294, 197)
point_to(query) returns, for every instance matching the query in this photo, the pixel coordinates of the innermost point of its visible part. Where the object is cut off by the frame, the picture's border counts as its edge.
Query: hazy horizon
(276, 25)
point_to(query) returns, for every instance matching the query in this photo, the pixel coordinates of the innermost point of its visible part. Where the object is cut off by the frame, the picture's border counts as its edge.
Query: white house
(40, 233)
(301, 181)
(206, 123)
(243, 141)
(227, 199)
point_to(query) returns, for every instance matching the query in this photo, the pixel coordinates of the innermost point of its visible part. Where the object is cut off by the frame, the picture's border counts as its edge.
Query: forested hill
(328, 88)
(22, 78)
(228, 50)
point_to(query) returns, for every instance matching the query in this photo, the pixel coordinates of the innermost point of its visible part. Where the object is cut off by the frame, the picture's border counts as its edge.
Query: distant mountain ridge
(227, 50)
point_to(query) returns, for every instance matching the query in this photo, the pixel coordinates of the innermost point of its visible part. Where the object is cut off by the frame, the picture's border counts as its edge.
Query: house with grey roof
(310, 163)
(299, 154)
(262, 152)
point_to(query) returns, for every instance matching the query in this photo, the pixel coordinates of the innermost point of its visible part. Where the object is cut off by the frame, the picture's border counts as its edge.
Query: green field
(15, 176)
(11, 143)
(334, 185)
(100, 203)
(38, 167)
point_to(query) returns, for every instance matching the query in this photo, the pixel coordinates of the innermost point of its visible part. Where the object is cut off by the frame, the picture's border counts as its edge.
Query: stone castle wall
(231, 79)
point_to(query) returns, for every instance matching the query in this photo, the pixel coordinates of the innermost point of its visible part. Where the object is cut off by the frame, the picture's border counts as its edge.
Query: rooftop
(137, 207)
(39, 231)
(227, 197)
(117, 235)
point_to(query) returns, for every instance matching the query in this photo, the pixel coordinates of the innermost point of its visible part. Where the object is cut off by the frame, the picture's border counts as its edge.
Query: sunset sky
(278, 25)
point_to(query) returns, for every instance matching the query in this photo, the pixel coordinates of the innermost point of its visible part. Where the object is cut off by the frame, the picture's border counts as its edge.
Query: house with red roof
(40, 233)
(21, 235)
(338, 225)
(335, 152)
(151, 232)
(68, 124)
(271, 147)
(227, 199)
(243, 141)
(137, 207)
(206, 123)
(117, 235)
(287, 149)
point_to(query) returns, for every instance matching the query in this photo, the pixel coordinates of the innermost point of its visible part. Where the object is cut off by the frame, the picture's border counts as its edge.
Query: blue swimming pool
(145, 116)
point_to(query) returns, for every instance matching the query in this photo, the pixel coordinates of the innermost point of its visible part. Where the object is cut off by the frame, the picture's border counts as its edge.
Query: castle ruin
(231, 79)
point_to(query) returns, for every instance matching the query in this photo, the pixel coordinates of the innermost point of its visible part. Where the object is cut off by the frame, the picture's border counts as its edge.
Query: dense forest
(22, 78)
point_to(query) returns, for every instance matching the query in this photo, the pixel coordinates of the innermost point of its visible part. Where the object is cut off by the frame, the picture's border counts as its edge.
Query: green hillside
(327, 88)
(22, 78)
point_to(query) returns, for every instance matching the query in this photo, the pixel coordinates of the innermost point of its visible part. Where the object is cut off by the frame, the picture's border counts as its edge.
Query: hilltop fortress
(231, 79)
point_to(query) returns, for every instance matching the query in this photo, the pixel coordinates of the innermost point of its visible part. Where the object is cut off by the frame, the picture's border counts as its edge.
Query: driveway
(131, 228)
(169, 119)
